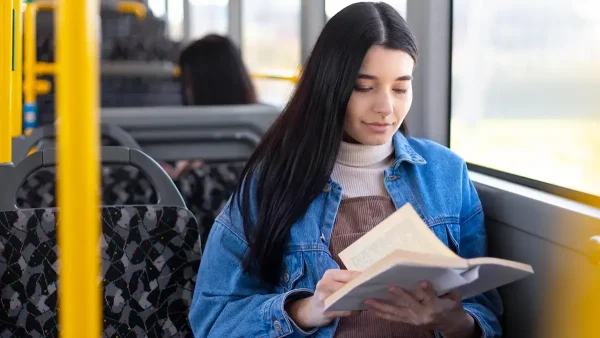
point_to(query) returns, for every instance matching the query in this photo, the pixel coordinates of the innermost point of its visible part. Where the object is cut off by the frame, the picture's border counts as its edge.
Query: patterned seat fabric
(150, 258)
(121, 185)
(207, 188)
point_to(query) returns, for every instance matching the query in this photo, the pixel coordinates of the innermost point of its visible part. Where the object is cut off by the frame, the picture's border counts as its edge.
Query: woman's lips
(378, 127)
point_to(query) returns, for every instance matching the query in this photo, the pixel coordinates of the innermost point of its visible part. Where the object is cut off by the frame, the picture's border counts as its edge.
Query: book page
(352, 296)
(493, 273)
(499, 261)
(403, 230)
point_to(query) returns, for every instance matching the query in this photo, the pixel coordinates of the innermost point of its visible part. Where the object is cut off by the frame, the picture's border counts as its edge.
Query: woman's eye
(401, 91)
(362, 89)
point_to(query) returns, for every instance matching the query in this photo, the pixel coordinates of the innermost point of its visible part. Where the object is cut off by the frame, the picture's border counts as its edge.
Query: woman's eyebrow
(373, 77)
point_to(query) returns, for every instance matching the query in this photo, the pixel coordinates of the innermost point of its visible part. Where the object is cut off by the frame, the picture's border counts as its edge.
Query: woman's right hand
(310, 312)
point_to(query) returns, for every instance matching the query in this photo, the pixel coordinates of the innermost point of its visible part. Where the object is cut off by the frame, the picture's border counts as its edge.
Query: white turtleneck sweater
(360, 169)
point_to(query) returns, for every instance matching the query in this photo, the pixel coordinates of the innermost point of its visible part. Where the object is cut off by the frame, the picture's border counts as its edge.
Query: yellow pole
(17, 70)
(5, 80)
(29, 82)
(77, 60)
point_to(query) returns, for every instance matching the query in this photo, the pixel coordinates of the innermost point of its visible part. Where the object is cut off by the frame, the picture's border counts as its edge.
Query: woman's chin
(375, 139)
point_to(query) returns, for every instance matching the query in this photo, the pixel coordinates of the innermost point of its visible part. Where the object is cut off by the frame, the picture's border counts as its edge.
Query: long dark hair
(213, 71)
(295, 158)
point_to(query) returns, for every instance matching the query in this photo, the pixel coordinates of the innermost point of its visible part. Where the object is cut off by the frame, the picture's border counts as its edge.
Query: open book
(402, 251)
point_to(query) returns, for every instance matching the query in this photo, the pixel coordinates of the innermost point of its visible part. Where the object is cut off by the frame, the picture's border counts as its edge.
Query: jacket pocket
(293, 270)
(449, 234)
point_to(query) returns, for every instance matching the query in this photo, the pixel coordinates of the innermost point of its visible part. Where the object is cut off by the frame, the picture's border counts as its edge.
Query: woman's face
(381, 97)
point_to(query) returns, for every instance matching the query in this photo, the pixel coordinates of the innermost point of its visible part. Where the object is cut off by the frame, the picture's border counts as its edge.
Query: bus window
(271, 45)
(208, 16)
(525, 89)
(175, 20)
(334, 6)
(158, 7)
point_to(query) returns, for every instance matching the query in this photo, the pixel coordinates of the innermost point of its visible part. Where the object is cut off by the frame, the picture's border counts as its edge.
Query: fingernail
(423, 284)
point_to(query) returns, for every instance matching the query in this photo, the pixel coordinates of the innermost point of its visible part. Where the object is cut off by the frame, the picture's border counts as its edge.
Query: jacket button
(277, 326)
(322, 238)
(392, 178)
(327, 187)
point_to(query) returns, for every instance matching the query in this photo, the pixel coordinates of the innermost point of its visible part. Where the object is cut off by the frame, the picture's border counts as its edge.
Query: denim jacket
(229, 303)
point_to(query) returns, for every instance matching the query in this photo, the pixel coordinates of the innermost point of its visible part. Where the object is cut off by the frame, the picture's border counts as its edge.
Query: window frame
(571, 194)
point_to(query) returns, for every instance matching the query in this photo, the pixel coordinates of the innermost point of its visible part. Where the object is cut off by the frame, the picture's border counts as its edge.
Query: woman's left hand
(423, 308)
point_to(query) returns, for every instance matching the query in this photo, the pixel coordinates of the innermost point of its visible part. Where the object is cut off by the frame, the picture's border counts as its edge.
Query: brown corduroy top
(356, 216)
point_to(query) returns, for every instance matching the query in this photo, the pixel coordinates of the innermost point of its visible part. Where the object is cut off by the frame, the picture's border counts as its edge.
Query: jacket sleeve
(229, 303)
(485, 308)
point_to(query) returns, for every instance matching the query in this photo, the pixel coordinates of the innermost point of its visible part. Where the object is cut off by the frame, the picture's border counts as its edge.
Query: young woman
(336, 163)
(213, 73)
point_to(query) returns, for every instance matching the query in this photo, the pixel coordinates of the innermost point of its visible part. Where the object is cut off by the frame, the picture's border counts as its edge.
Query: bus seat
(121, 185)
(207, 188)
(150, 256)
(221, 137)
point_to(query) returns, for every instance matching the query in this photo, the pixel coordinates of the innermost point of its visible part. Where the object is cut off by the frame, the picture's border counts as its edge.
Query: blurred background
(512, 86)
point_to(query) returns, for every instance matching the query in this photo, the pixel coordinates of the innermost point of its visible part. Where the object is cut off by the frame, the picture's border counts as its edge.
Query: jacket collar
(404, 152)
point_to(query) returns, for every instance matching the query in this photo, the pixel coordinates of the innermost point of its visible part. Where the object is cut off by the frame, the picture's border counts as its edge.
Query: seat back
(209, 133)
(22, 145)
(222, 137)
(121, 185)
(150, 257)
(207, 188)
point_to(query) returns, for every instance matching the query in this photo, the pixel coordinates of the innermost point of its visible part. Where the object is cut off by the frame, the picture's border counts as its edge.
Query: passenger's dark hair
(213, 71)
(293, 163)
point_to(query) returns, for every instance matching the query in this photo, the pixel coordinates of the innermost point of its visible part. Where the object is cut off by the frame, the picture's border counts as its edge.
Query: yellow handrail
(77, 57)
(48, 68)
(17, 69)
(30, 77)
(292, 78)
(33, 68)
(5, 81)
(44, 68)
(44, 5)
(136, 8)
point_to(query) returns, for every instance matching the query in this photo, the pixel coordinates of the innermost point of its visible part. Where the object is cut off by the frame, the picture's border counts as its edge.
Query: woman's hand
(310, 312)
(181, 168)
(423, 308)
